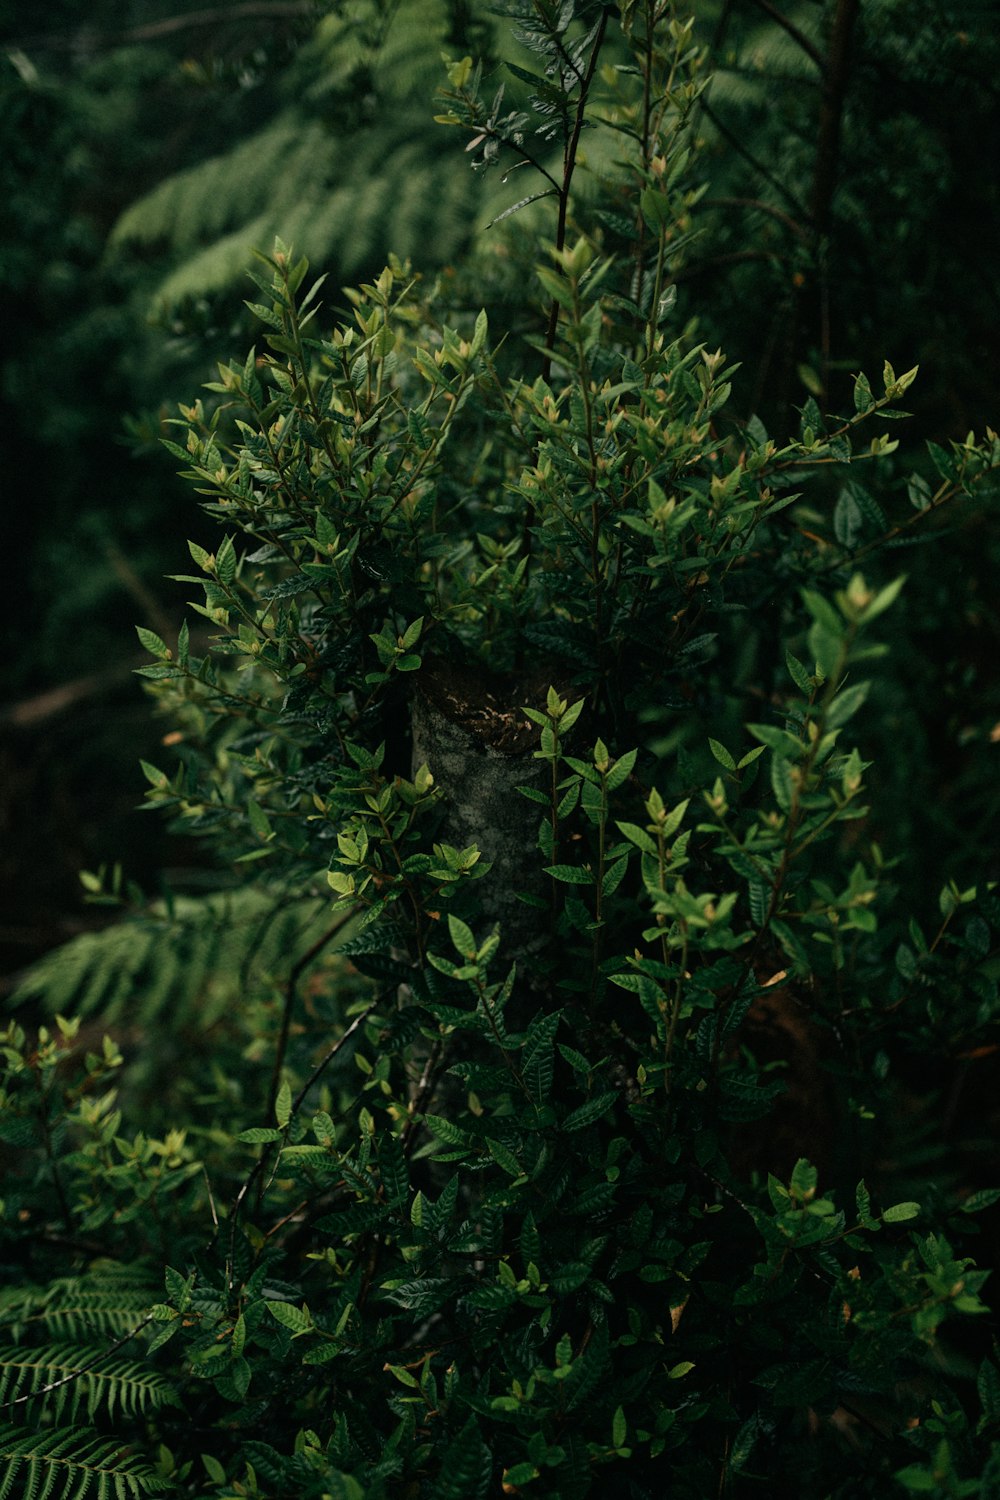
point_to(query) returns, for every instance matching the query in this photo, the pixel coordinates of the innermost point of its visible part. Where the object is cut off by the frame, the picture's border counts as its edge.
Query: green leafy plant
(582, 1162)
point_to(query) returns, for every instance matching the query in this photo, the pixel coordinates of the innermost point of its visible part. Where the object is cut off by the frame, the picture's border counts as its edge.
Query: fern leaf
(71, 1463)
(191, 968)
(108, 1299)
(70, 1376)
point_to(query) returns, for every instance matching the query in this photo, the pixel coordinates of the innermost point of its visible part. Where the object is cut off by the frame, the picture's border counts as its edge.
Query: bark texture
(469, 729)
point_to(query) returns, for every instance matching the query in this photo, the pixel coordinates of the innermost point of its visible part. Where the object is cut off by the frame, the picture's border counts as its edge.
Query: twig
(46, 1390)
(831, 114)
(151, 31)
(290, 986)
(732, 139)
(808, 47)
(258, 1167)
(761, 207)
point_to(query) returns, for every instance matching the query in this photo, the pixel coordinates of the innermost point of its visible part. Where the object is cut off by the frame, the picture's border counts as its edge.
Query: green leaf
(153, 643)
(569, 874)
(505, 1158)
(846, 704)
(411, 634)
(259, 820)
(297, 1319)
(587, 1113)
(466, 1467)
(462, 937)
(447, 1131)
(750, 757)
(721, 754)
(883, 599)
(518, 1474)
(847, 519)
(863, 398)
(976, 1202)
(283, 1104)
(393, 1170)
(798, 673)
(899, 1213)
(804, 1179)
(155, 777)
(225, 561)
(213, 1469)
(621, 770)
(779, 740)
(637, 836)
(781, 782)
(419, 430)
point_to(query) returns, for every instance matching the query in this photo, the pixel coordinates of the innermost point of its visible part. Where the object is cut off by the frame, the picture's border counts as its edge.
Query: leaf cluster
(614, 1197)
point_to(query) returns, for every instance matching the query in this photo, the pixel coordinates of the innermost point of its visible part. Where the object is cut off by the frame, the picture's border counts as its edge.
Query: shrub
(577, 1136)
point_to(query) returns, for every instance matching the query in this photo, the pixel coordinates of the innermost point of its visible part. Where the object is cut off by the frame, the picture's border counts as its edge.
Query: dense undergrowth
(567, 1086)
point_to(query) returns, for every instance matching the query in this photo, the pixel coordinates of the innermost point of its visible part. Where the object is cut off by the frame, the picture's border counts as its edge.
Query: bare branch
(799, 37)
(221, 15)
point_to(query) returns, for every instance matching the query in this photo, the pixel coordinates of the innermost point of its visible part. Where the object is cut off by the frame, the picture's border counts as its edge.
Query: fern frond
(71, 1463)
(71, 1377)
(192, 966)
(108, 1299)
(353, 169)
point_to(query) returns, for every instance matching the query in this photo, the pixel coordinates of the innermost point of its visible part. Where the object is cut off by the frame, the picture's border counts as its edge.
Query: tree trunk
(469, 730)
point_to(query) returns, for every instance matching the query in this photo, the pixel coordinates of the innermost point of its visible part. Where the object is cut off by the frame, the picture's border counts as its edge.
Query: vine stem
(291, 984)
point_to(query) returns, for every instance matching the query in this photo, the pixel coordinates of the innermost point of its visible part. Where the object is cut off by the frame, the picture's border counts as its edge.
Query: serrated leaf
(569, 874)
(462, 937)
(846, 704)
(847, 519)
(297, 1319)
(637, 836)
(621, 770)
(225, 561)
(466, 1467)
(721, 754)
(798, 673)
(153, 643)
(505, 1159)
(592, 1110)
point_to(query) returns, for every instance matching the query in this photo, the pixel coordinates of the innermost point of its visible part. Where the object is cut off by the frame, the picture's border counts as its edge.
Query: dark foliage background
(146, 148)
(848, 212)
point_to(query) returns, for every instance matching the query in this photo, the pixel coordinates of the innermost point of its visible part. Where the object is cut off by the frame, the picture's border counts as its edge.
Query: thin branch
(317, 1072)
(733, 258)
(738, 145)
(46, 1390)
(249, 10)
(136, 586)
(799, 37)
(569, 166)
(759, 205)
(291, 984)
(56, 700)
(831, 114)
(258, 1166)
